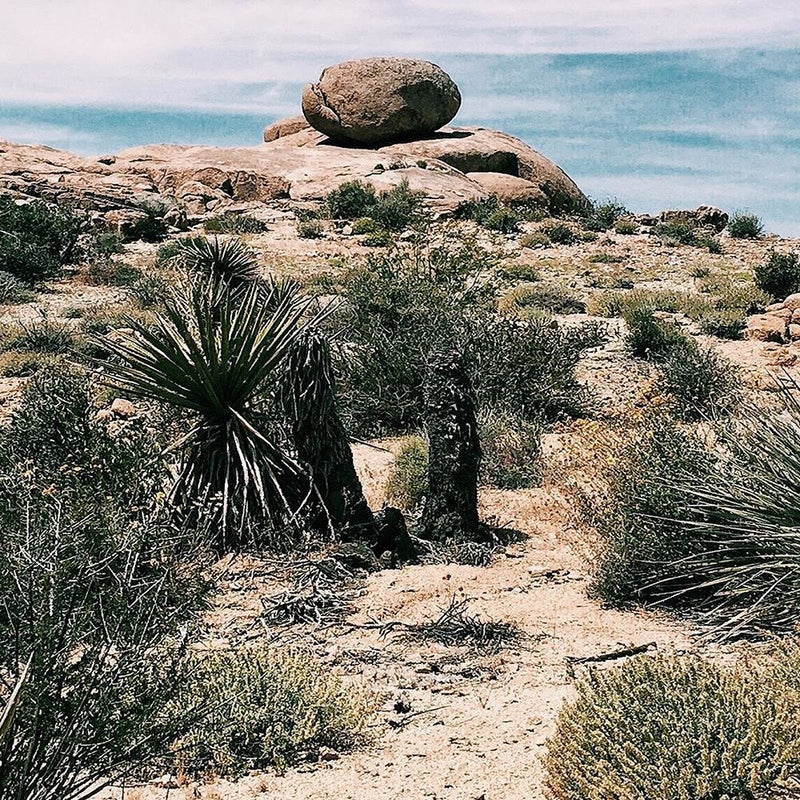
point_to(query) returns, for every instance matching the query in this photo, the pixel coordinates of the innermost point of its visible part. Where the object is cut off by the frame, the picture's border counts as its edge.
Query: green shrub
(149, 291)
(779, 275)
(112, 273)
(626, 227)
(677, 231)
(13, 290)
(350, 200)
(23, 364)
(637, 509)
(400, 307)
(559, 233)
(535, 239)
(503, 220)
(397, 208)
(106, 244)
(651, 338)
(588, 236)
(43, 336)
(479, 210)
(701, 383)
(234, 222)
(310, 229)
(712, 245)
(108, 582)
(266, 707)
(726, 323)
(603, 216)
(378, 239)
(408, 480)
(38, 239)
(671, 728)
(538, 296)
(511, 450)
(365, 225)
(518, 271)
(605, 258)
(152, 227)
(745, 226)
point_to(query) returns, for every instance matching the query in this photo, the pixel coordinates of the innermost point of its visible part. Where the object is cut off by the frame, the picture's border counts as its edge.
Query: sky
(660, 104)
(235, 54)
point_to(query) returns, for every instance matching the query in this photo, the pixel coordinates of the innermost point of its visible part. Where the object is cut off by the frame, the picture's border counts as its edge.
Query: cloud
(199, 52)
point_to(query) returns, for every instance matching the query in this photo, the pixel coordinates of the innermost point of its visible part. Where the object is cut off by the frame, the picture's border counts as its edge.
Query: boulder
(509, 188)
(702, 217)
(284, 127)
(377, 100)
(767, 328)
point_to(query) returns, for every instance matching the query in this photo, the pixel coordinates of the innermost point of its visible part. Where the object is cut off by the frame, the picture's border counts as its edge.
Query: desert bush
(13, 290)
(639, 511)
(511, 448)
(152, 227)
(503, 220)
(533, 296)
(479, 210)
(700, 383)
(602, 216)
(677, 231)
(670, 728)
(779, 275)
(310, 229)
(106, 243)
(535, 239)
(649, 337)
(397, 208)
(407, 482)
(605, 258)
(94, 581)
(37, 239)
(399, 307)
(626, 227)
(559, 233)
(234, 222)
(149, 291)
(380, 238)
(725, 323)
(745, 226)
(350, 200)
(518, 271)
(267, 707)
(43, 336)
(23, 364)
(106, 272)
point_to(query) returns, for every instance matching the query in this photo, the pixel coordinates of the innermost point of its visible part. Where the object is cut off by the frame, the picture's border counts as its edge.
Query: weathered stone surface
(702, 216)
(377, 100)
(285, 127)
(303, 167)
(767, 328)
(509, 188)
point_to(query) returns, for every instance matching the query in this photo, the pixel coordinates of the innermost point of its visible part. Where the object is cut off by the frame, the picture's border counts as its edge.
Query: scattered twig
(624, 652)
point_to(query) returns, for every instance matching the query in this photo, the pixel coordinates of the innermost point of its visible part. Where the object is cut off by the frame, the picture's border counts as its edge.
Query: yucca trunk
(451, 505)
(320, 438)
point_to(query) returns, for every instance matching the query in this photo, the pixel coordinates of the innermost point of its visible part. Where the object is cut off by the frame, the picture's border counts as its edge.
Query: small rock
(792, 302)
(794, 331)
(123, 408)
(766, 328)
(166, 781)
(347, 230)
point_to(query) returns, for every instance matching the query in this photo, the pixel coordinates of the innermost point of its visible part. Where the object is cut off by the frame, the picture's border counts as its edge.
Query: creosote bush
(392, 210)
(265, 707)
(603, 215)
(670, 728)
(779, 275)
(38, 239)
(745, 226)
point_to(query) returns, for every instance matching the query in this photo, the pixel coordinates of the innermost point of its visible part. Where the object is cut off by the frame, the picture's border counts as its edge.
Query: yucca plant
(227, 261)
(743, 574)
(216, 354)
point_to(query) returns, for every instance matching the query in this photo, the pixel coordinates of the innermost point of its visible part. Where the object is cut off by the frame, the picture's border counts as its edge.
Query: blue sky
(663, 104)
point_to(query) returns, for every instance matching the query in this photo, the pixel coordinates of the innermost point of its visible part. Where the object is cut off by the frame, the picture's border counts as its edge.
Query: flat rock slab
(302, 166)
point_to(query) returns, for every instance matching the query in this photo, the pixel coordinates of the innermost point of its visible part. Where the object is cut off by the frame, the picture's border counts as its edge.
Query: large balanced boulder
(378, 100)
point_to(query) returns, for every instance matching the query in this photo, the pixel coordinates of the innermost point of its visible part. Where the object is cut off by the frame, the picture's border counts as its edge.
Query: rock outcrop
(285, 127)
(780, 323)
(450, 167)
(702, 217)
(379, 100)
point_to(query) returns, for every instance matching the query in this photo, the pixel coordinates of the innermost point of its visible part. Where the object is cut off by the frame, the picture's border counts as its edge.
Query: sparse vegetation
(671, 728)
(745, 226)
(407, 482)
(779, 275)
(236, 223)
(603, 216)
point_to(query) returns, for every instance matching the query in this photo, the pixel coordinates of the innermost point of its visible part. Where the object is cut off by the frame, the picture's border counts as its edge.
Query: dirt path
(477, 723)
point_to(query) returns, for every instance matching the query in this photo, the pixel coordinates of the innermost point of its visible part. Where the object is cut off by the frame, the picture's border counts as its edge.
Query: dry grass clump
(671, 728)
(265, 707)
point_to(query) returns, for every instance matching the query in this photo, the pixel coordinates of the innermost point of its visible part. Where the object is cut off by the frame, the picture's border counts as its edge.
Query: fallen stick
(614, 654)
